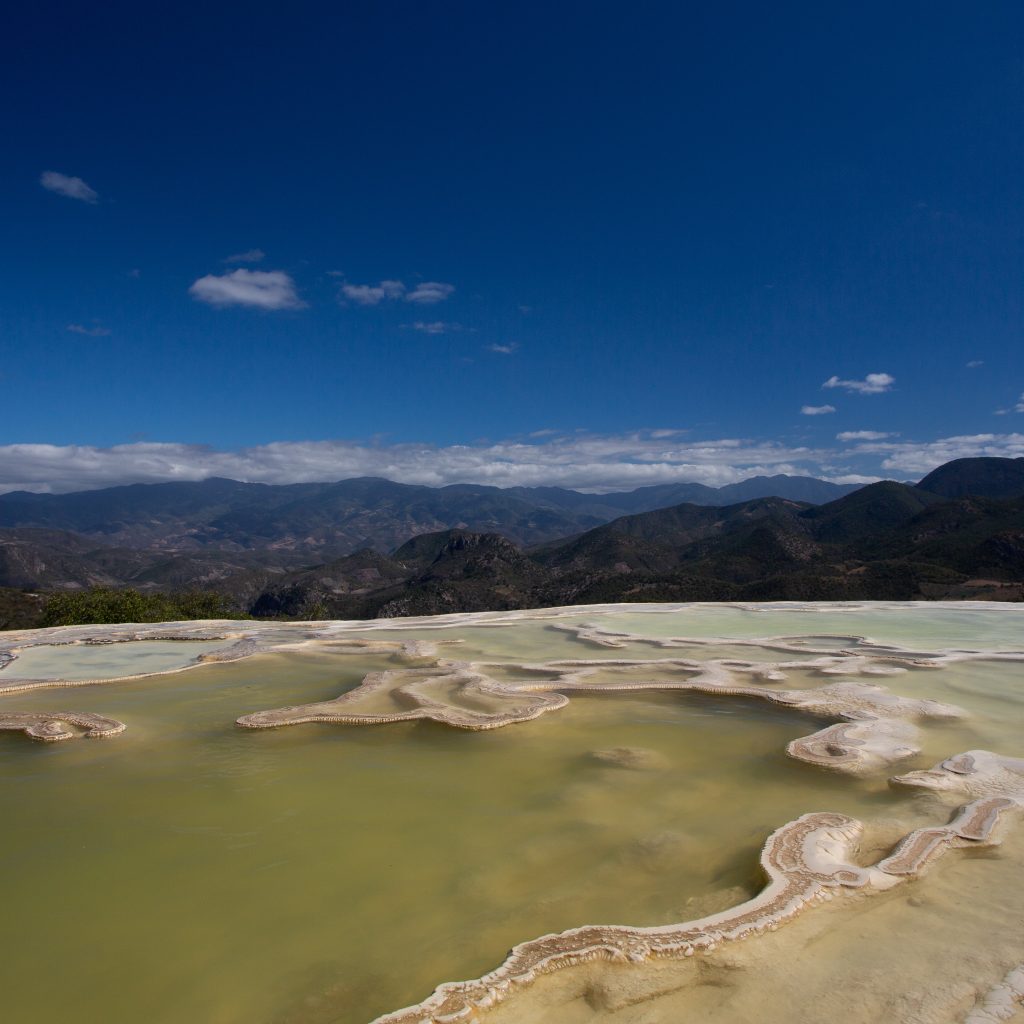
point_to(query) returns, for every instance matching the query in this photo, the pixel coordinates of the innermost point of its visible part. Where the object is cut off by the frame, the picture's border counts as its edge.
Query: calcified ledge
(50, 727)
(246, 637)
(241, 647)
(847, 645)
(875, 728)
(806, 861)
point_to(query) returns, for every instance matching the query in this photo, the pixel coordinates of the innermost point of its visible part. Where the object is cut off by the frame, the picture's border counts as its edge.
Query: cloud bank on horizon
(580, 461)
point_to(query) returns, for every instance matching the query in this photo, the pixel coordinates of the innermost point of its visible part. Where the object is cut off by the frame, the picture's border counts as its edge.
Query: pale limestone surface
(974, 774)
(1002, 1002)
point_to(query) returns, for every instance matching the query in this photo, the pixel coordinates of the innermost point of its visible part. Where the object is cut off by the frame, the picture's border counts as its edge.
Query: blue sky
(593, 244)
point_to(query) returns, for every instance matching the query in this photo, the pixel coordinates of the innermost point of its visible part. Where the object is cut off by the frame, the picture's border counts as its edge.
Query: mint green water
(105, 661)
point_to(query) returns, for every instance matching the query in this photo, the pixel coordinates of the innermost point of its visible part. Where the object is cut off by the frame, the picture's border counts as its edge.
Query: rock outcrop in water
(49, 727)
(875, 730)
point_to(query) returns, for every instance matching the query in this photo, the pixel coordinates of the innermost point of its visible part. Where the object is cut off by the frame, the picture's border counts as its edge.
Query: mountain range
(371, 547)
(181, 535)
(294, 523)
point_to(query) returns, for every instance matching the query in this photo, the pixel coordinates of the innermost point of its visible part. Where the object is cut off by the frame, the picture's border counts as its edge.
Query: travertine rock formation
(60, 725)
(807, 861)
(1002, 1001)
(975, 774)
(876, 728)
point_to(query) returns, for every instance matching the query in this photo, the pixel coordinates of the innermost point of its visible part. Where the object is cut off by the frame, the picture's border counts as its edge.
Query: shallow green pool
(189, 870)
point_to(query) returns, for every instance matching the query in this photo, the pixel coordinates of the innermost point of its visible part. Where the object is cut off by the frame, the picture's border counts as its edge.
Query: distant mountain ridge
(321, 521)
(983, 477)
(886, 540)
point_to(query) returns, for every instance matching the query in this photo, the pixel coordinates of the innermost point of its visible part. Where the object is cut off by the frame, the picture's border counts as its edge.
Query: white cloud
(373, 294)
(854, 478)
(1016, 407)
(872, 384)
(434, 327)
(505, 350)
(65, 185)
(91, 332)
(587, 461)
(863, 435)
(816, 410)
(911, 458)
(258, 289)
(249, 256)
(430, 292)
(577, 459)
(975, 363)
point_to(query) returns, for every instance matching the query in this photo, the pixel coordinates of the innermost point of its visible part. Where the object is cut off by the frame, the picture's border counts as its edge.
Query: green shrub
(106, 605)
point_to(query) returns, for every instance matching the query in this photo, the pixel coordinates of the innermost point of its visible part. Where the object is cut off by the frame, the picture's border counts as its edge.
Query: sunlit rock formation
(805, 862)
(876, 730)
(975, 774)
